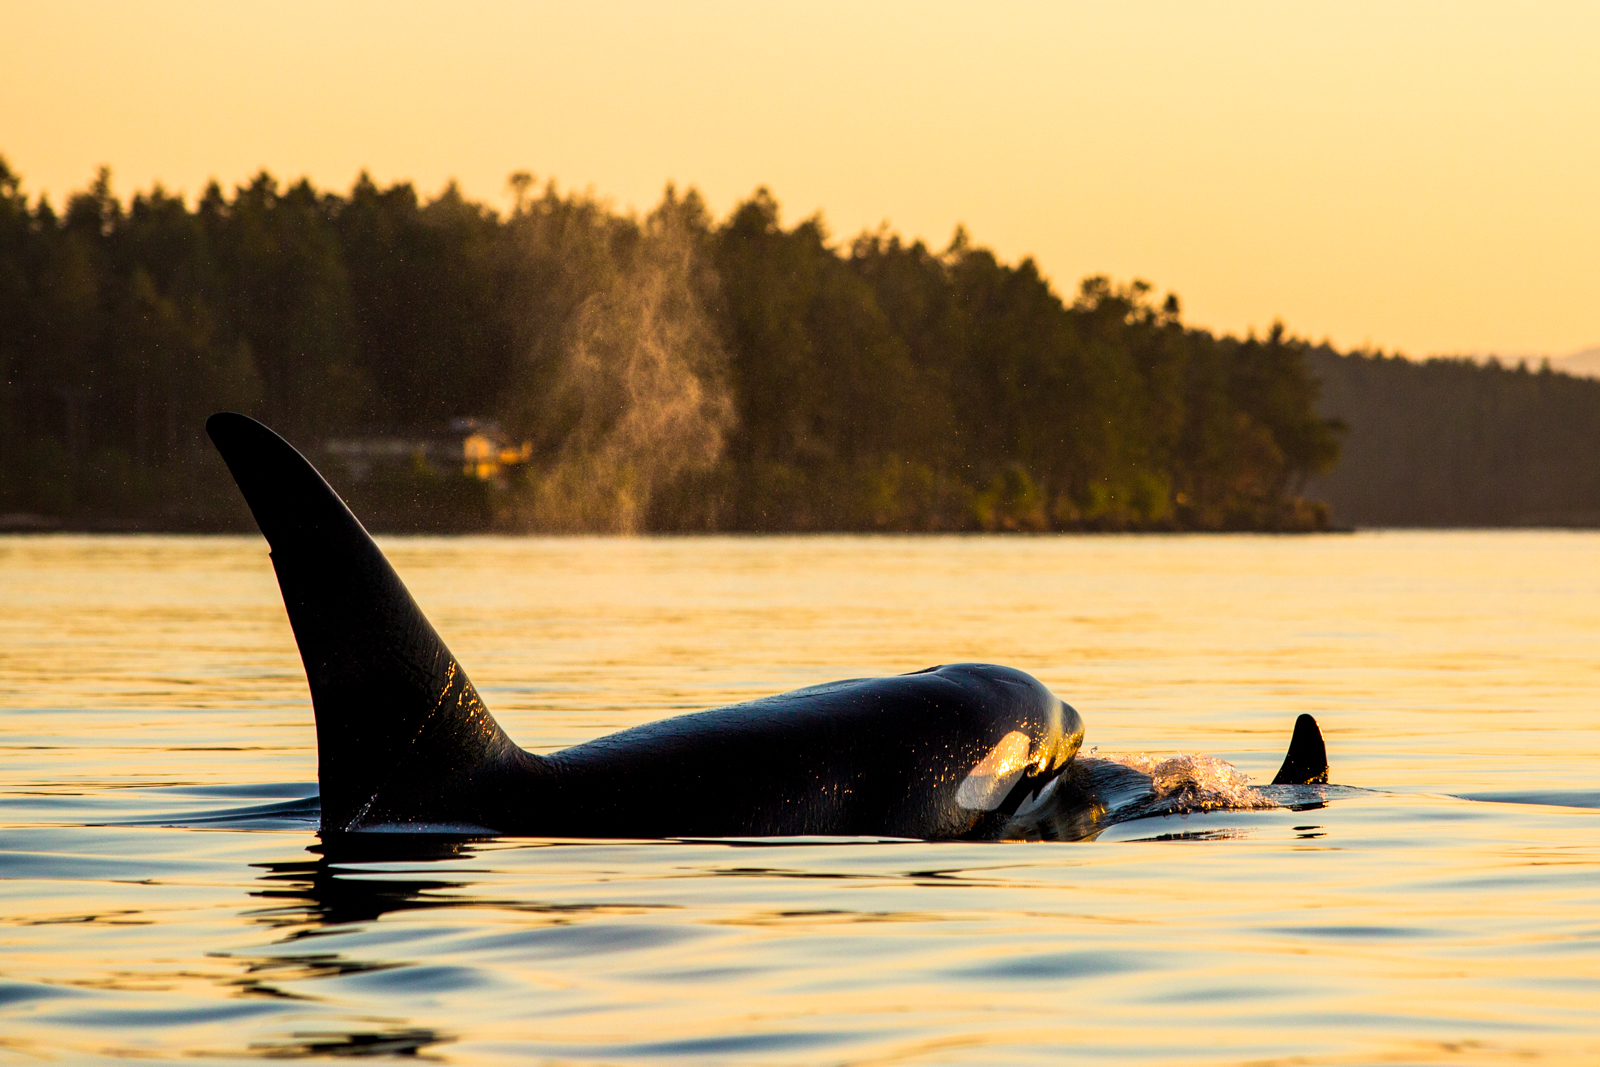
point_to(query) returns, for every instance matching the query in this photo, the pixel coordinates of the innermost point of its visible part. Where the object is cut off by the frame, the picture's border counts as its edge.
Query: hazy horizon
(1415, 179)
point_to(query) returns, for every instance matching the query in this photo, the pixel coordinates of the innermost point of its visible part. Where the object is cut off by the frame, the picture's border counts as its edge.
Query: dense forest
(1452, 442)
(664, 373)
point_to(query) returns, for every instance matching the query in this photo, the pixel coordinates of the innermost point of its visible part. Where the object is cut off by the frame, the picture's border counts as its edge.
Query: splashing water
(1196, 783)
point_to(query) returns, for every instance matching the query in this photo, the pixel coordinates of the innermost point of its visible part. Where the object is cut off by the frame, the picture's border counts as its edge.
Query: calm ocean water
(164, 896)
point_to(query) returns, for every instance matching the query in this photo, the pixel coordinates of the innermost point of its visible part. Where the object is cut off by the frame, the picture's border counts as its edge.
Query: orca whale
(967, 750)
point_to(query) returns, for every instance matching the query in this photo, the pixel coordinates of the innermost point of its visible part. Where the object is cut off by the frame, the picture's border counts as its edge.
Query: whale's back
(403, 740)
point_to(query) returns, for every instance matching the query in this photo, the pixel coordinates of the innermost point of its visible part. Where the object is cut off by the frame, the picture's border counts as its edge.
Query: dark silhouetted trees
(670, 372)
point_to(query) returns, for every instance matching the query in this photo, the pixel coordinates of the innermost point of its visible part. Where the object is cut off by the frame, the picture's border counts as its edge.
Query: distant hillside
(1585, 363)
(1451, 443)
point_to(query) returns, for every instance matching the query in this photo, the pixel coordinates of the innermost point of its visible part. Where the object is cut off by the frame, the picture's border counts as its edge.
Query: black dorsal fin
(399, 727)
(1307, 760)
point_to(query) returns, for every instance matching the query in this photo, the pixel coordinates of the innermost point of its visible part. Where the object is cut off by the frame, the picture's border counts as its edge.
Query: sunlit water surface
(1448, 911)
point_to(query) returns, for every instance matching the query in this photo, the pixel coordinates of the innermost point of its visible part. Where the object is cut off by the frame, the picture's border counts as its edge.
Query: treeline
(1452, 442)
(673, 372)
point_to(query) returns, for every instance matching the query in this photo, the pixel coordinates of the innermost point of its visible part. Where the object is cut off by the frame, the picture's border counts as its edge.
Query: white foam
(1196, 783)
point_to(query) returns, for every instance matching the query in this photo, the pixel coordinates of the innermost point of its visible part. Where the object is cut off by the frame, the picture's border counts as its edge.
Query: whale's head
(1017, 768)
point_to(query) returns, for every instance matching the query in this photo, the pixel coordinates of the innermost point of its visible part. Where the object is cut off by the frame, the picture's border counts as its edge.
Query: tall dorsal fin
(398, 723)
(1307, 759)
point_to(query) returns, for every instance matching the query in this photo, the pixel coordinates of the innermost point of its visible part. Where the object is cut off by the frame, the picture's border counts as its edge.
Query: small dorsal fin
(1307, 759)
(398, 723)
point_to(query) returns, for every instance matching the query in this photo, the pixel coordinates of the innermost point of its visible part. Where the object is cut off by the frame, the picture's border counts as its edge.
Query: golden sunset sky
(1414, 176)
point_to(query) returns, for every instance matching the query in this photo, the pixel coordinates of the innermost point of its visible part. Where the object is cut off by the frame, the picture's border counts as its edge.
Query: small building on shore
(469, 447)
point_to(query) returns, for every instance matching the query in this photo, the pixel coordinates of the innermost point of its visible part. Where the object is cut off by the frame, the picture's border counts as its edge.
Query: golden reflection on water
(157, 677)
(1426, 655)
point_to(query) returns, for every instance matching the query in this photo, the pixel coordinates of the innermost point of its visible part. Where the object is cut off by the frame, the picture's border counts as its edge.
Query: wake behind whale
(404, 742)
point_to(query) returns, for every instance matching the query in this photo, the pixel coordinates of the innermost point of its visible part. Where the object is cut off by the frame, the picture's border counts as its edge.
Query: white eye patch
(989, 783)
